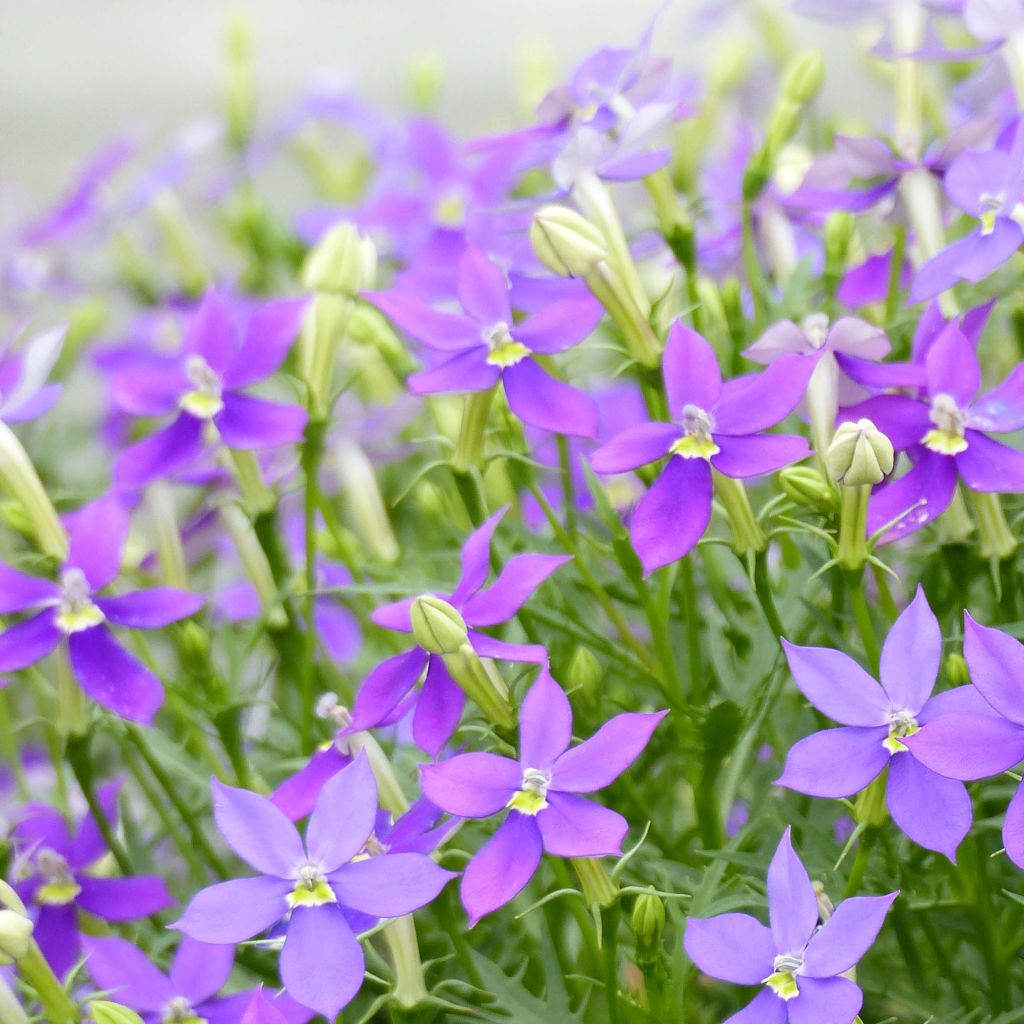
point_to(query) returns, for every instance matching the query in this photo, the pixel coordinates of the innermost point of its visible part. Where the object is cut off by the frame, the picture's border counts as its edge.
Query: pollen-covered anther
(901, 725)
(533, 796)
(504, 349)
(204, 401)
(950, 422)
(782, 980)
(75, 610)
(696, 442)
(311, 888)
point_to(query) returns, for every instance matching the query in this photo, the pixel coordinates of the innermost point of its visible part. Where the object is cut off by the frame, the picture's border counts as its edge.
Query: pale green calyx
(15, 936)
(566, 242)
(437, 627)
(860, 455)
(806, 486)
(343, 261)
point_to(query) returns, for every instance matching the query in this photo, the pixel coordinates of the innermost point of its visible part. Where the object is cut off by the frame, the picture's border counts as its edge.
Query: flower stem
(58, 1007)
(312, 456)
(862, 617)
(765, 597)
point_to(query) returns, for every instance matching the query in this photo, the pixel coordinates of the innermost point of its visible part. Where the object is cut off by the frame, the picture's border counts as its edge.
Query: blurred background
(75, 72)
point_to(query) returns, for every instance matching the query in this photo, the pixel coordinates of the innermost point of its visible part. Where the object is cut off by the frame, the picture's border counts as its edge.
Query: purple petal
(858, 338)
(866, 157)
(482, 288)
(837, 686)
(941, 271)
(597, 762)
(58, 937)
(489, 647)
(757, 454)
(118, 967)
(903, 420)
(919, 496)
(500, 871)
(911, 655)
(559, 325)
(765, 1008)
(153, 391)
(439, 330)
(542, 401)
(18, 591)
(1001, 410)
(150, 609)
(272, 328)
(635, 446)
(783, 338)
(835, 762)
(389, 886)
(825, 1001)
(394, 616)
(846, 936)
(338, 630)
(438, 709)
(474, 785)
(257, 831)
(27, 642)
(792, 905)
(160, 455)
(468, 371)
(383, 689)
(731, 947)
(996, 664)
(231, 912)
(673, 515)
(88, 844)
(475, 560)
(966, 746)
(572, 826)
(253, 423)
(760, 400)
(690, 369)
(211, 332)
(934, 811)
(322, 963)
(112, 677)
(951, 367)
(545, 723)
(98, 533)
(296, 796)
(123, 899)
(990, 251)
(1013, 828)
(257, 1010)
(972, 175)
(961, 698)
(199, 970)
(522, 575)
(344, 815)
(988, 466)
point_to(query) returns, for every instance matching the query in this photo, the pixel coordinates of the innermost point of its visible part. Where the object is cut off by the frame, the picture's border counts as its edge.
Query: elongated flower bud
(436, 625)
(956, 669)
(15, 935)
(363, 501)
(585, 672)
(19, 479)
(859, 455)
(255, 564)
(481, 681)
(806, 486)
(11, 1011)
(566, 242)
(343, 262)
(648, 926)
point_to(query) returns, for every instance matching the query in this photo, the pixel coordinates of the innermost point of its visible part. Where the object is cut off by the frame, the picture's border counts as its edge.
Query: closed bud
(585, 672)
(102, 1011)
(804, 77)
(343, 261)
(729, 66)
(807, 487)
(15, 936)
(648, 926)
(566, 242)
(956, 670)
(859, 455)
(436, 625)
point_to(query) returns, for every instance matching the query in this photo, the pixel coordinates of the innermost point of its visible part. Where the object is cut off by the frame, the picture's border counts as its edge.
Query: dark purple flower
(206, 385)
(311, 884)
(72, 611)
(714, 426)
(382, 695)
(484, 345)
(52, 875)
(540, 792)
(932, 810)
(800, 959)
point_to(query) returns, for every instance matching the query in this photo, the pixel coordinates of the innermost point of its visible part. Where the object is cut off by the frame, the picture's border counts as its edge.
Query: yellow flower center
(533, 797)
(75, 610)
(311, 889)
(204, 401)
(505, 350)
(948, 436)
(782, 980)
(696, 442)
(59, 887)
(901, 725)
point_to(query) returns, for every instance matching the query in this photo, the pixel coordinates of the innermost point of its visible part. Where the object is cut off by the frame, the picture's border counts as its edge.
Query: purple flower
(72, 612)
(52, 867)
(312, 884)
(714, 426)
(540, 792)
(934, 811)
(205, 386)
(382, 696)
(24, 393)
(188, 992)
(800, 958)
(946, 436)
(987, 739)
(483, 345)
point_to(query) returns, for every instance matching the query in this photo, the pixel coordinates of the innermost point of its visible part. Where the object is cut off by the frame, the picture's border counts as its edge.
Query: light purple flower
(540, 791)
(876, 718)
(313, 884)
(52, 875)
(383, 695)
(713, 426)
(24, 393)
(800, 959)
(74, 612)
(483, 345)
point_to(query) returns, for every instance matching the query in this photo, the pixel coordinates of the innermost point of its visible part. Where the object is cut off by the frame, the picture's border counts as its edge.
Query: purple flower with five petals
(52, 874)
(206, 385)
(876, 718)
(72, 612)
(540, 792)
(714, 426)
(800, 959)
(483, 345)
(187, 993)
(318, 885)
(382, 698)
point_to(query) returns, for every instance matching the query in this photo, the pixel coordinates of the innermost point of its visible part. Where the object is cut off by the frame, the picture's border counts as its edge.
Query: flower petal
(160, 455)
(572, 826)
(344, 815)
(837, 686)
(112, 677)
(272, 328)
(27, 642)
(545, 723)
(690, 369)
(635, 446)
(150, 609)
(792, 904)
(966, 746)
(200, 970)
(951, 367)
(1013, 828)
(253, 423)
(394, 616)
(835, 762)
(474, 785)
(825, 1001)
(522, 575)
(757, 454)
(383, 689)
(57, 934)
(846, 936)
(765, 1008)
(211, 332)
(1001, 410)
(389, 886)
(911, 655)
(123, 899)
(438, 708)
(439, 330)
(257, 830)
(760, 400)
(126, 973)
(18, 591)
(98, 533)
(468, 371)
(503, 866)
(559, 325)
(475, 560)
(490, 647)
(482, 288)
(731, 947)
(917, 497)
(995, 661)
(296, 796)
(542, 401)
(231, 912)
(988, 466)
(322, 963)
(903, 420)
(598, 761)
(934, 811)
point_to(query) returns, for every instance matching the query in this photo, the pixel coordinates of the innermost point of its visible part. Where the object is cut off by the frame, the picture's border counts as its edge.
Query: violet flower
(53, 875)
(205, 386)
(975, 743)
(483, 345)
(800, 959)
(24, 393)
(714, 426)
(540, 791)
(187, 993)
(73, 612)
(312, 884)
(382, 697)
(876, 718)
(946, 436)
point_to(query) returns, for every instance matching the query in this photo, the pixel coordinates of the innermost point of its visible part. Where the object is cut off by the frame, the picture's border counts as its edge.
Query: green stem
(752, 266)
(691, 623)
(765, 596)
(892, 296)
(568, 489)
(57, 1005)
(860, 863)
(862, 617)
(610, 959)
(312, 455)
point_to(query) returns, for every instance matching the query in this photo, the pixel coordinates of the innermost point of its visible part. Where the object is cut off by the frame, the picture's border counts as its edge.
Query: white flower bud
(436, 625)
(859, 455)
(566, 242)
(343, 261)
(15, 936)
